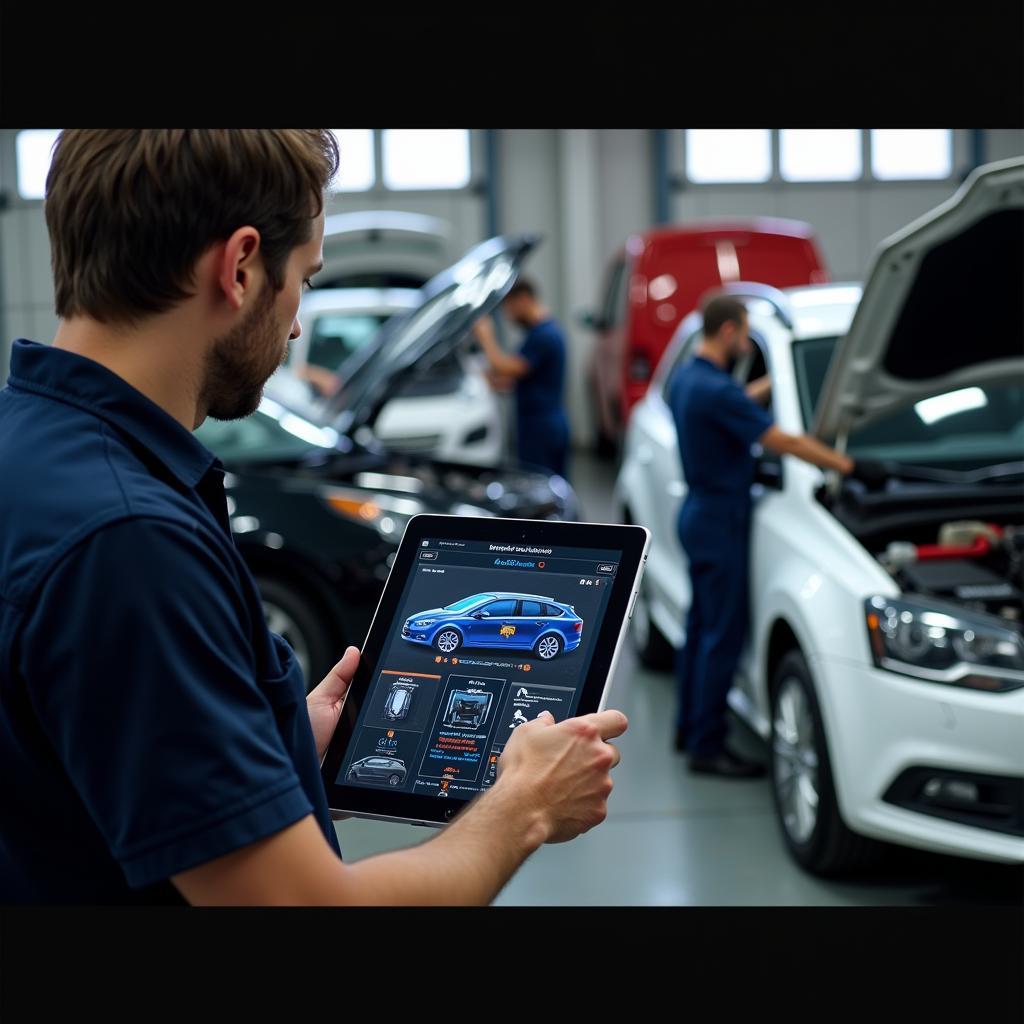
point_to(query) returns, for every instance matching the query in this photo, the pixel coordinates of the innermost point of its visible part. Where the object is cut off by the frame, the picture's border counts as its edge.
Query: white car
(451, 413)
(885, 662)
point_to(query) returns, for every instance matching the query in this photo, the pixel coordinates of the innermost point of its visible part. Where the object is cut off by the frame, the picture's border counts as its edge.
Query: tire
(548, 647)
(448, 640)
(291, 613)
(803, 790)
(394, 780)
(653, 650)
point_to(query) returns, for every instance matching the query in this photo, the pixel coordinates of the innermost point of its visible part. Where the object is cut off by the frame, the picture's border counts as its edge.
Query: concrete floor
(675, 839)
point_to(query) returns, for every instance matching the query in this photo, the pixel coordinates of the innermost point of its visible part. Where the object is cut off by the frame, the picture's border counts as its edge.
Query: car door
(533, 620)
(497, 624)
(668, 580)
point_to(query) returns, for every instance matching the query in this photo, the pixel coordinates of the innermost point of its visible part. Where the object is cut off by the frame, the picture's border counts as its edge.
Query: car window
(614, 305)
(684, 353)
(335, 336)
(461, 606)
(262, 436)
(963, 429)
(531, 608)
(501, 608)
(553, 610)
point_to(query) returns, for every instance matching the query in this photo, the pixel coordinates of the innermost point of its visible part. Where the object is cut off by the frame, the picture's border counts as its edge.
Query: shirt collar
(76, 380)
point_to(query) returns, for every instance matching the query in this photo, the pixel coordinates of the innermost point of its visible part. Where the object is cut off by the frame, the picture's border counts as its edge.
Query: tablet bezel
(632, 541)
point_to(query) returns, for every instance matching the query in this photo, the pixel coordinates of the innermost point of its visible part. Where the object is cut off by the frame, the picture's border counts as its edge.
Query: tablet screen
(487, 636)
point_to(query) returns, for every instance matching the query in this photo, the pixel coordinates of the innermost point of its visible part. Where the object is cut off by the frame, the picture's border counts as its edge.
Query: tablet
(483, 624)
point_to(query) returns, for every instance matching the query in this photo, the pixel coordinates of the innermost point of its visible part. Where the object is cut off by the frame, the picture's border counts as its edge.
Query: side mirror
(481, 615)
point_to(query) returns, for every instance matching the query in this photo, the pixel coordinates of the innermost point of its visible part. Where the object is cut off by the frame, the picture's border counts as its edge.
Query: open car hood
(942, 308)
(410, 344)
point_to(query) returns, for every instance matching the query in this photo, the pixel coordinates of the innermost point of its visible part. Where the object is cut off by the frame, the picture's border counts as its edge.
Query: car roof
(359, 300)
(533, 597)
(817, 310)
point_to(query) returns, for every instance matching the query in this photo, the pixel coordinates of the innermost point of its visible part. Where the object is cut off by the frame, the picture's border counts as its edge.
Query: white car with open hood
(885, 662)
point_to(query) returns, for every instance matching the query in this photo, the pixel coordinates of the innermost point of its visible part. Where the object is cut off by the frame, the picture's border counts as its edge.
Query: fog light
(950, 792)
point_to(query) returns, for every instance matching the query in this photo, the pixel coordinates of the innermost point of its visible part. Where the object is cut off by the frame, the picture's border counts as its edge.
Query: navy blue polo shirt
(149, 721)
(716, 424)
(539, 393)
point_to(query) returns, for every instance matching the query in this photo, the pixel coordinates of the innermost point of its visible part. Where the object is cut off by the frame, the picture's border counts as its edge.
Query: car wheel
(448, 640)
(548, 647)
(394, 780)
(290, 613)
(653, 650)
(802, 783)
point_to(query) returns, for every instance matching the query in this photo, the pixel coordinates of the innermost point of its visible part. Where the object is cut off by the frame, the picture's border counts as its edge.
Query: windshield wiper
(1005, 472)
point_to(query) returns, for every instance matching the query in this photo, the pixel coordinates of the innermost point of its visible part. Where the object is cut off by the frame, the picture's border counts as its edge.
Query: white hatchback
(885, 662)
(451, 413)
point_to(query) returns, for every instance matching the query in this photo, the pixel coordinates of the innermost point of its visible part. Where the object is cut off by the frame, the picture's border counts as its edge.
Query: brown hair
(131, 210)
(523, 286)
(721, 310)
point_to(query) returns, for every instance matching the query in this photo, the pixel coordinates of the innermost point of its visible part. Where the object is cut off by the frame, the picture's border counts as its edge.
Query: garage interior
(671, 838)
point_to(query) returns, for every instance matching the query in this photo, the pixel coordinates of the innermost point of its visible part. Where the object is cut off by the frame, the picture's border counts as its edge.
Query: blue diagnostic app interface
(488, 635)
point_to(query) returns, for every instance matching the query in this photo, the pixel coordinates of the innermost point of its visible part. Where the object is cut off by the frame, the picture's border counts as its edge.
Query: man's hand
(325, 702)
(760, 390)
(562, 770)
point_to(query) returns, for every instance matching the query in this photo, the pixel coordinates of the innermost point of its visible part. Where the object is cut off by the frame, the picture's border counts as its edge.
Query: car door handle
(538, 623)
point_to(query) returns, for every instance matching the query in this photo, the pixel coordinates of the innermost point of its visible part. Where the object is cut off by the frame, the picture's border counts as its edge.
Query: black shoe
(727, 765)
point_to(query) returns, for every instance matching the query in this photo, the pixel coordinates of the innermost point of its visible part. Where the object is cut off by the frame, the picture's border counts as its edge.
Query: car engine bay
(963, 544)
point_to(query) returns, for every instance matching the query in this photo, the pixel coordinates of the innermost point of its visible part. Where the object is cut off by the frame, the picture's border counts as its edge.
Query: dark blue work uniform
(149, 721)
(716, 424)
(542, 428)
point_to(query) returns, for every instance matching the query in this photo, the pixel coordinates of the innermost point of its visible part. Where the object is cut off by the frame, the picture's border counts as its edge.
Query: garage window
(35, 150)
(816, 154)
(356, 167)
(918, 153)
(425, 158)
(728, 154)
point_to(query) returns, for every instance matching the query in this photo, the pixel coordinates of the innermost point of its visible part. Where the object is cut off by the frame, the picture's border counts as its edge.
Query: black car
(318, 511)
(378, 769)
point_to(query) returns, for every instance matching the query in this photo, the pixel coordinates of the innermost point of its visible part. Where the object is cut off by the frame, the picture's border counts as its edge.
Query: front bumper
(882, 728)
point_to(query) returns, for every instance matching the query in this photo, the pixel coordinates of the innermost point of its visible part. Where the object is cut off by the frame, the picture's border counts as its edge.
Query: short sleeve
(740, 415)
(139, 664)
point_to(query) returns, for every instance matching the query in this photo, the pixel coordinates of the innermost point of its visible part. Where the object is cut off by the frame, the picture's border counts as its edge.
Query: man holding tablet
(158, 743)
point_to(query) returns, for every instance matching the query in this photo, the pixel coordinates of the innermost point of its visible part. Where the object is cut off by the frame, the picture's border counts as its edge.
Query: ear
(238, 266)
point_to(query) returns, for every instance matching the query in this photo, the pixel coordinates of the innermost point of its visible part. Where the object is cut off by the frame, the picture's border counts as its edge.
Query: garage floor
(674, 839)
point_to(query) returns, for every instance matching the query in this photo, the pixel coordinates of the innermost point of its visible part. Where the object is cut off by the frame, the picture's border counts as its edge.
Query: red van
(659, 276)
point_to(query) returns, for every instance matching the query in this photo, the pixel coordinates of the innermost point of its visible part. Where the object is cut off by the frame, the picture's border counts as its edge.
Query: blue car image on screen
(521, 622)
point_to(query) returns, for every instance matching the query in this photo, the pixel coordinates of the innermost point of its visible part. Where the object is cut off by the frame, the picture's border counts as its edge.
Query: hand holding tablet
(485, 625)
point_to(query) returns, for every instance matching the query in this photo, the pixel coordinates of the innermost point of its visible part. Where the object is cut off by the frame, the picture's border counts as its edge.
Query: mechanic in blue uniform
(537, 371)
(157, 744)
(717, 421)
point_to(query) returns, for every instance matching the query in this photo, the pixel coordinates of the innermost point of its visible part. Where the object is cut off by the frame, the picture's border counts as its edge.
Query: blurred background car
(449, 412)
(657, 278)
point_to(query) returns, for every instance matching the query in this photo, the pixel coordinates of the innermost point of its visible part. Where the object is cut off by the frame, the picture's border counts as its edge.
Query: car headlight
(386, 513)
(424, 622)
(944, 644)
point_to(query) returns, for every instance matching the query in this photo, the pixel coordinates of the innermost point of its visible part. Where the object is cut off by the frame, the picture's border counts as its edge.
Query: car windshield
(270, 434)
(335, 336)
(466, 602)
(965, 429)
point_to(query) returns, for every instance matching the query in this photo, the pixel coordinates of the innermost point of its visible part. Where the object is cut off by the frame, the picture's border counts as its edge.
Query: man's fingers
(338, 680)
(609, 723)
